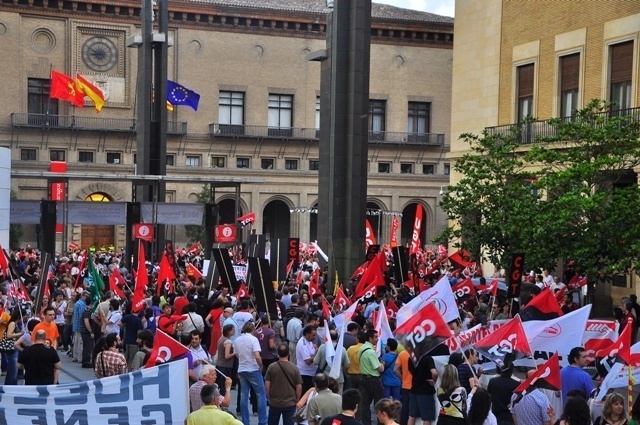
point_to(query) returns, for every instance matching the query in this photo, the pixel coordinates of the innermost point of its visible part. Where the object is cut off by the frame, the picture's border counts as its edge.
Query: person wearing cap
(76, 325)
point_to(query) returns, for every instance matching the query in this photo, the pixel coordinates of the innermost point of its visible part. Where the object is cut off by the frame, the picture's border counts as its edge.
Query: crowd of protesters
(278, 365)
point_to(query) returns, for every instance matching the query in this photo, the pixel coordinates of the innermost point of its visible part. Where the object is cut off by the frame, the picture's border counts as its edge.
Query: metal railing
(257, 131)
(530, 131)
(73, 122)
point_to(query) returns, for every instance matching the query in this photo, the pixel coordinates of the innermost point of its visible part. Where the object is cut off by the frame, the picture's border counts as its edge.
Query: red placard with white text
(143, 231)
(225, 233)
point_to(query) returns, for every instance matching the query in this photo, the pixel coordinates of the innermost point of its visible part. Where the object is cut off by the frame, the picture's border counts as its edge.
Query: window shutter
(525, 81)
(621, 62)
(570, 72)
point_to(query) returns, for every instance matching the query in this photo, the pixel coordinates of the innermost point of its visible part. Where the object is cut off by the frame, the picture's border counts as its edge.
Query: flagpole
(264, 292)
(630, 389)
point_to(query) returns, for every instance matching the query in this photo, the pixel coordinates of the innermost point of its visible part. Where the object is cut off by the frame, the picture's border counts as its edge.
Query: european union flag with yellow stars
(180, 95)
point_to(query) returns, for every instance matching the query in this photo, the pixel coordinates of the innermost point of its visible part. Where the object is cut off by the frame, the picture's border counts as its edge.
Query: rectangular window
(524, 93)
(28, 155)
(406, 168)
(621, 73)
(39, 101)
(377, 119)
(280, 115)
(447, 169)
(418, 119)
(569, 84)
(314, 165)
(171, 159)
(428, 169)
(218, 161)
(290, 164)
(58, 155)
(317, 117)
(384, 167)
(193, 161)
(85, 156)
(267, 163)
(242, 162)
(114, 158)
(231, 112)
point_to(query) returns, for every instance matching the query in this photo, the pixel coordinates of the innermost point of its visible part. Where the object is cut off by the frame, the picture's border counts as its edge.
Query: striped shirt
(77, 315)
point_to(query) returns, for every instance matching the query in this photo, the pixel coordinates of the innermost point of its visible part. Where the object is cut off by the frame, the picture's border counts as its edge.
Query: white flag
(337, 364)
(329, 350)
(346, 316)
(383, 328)
(440, 294)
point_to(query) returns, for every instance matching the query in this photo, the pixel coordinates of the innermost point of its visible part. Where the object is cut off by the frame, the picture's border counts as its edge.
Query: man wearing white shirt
(548, 279)
(112, 325)
(305, 353)
(199, 354)
(243, 316)
(247, 348)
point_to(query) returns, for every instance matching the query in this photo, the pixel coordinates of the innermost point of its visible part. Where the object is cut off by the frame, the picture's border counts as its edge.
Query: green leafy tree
(15, 230)
(196, 233)
(571, 193)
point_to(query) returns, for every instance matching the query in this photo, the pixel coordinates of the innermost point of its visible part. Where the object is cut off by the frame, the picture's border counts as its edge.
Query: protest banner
(158, 395)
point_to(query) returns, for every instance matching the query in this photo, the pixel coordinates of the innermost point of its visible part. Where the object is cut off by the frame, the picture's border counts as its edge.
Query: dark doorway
(276, 220)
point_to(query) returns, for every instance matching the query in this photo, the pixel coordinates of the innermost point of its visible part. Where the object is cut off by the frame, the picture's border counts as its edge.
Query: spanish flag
(89, 89)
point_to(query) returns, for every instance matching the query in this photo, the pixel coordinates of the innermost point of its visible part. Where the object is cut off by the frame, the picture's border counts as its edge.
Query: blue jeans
(12, 367)
(390, 392)
(253, 380)
(286, 412)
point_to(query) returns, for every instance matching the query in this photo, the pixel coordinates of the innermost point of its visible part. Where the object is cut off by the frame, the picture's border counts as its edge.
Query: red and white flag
(193, 249)
(440, 294)
(417, 225)
(370, 237)
(395, 224)
(247, 219)
(491, 288)
(392, 308)
(5, 272)
(463, 288)
(341, 299)
(423, 332)
(165, 349)
(577, 282)
(546, 377)
(599, 334)
(166, 275)
(326, 311)
(507, 344)
(243, 291)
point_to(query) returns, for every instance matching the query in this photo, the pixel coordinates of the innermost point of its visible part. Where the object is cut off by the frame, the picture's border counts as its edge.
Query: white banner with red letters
(158, 395)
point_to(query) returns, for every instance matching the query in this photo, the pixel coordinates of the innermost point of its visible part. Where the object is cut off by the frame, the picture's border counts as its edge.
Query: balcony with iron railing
(530, 131)
(266, 132)
(73, 122)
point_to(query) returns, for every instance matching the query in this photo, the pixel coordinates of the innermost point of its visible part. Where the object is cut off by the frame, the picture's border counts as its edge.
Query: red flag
(491, 288)
(341, 299)
(64, 88)
(392, 308)
(299, 278)
(423, 332)
(463, 288)
(142, 280)
(372, 275)
(374, 317)
(116, 279)
(166, 275)
(546, 376)
(370, 238)
(289, 267)
(442, 251)
(80, 276)
(326, 311)
(4, 264)
(243, 291)
(193, 271)
(395, 224)
(194, 248)
(360, 270)
(560, 295)
(247, 219)
(577, 282)
(17, 290)
(165, 349)
(621, 349)
(542, 307)
(314, 289)
(507, 344)
(460, 259)
(417, 225)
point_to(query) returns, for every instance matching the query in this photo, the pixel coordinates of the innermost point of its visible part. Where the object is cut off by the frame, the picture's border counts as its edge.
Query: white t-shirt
(241, 317)
(114, 317)
(60, 320)
(245, 346)
(304, 351)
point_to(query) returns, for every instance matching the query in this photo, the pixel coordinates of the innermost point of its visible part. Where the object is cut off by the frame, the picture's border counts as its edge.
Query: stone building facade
(543, 59)
(258, 112)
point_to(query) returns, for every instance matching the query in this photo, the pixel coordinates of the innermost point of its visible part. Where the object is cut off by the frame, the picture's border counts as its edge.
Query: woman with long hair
(612, 413)
(12, 333)
(388, 411)
(214, 322)
(479, 408)
(452, 397)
